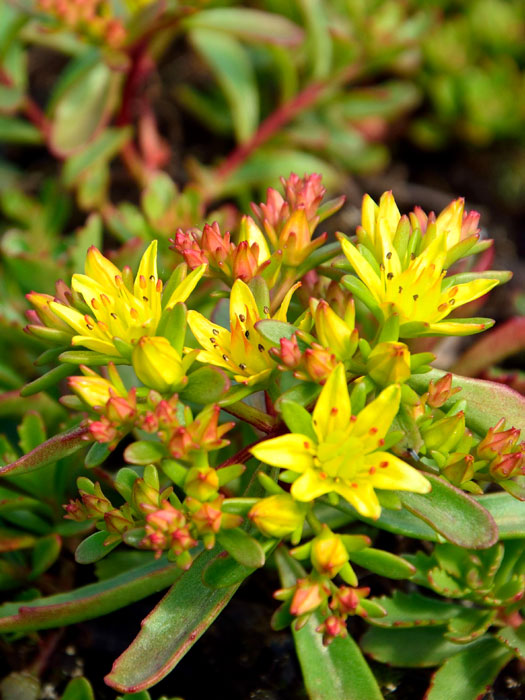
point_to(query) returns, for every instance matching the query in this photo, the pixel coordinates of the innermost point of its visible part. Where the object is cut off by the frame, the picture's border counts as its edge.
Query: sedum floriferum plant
(268, 397)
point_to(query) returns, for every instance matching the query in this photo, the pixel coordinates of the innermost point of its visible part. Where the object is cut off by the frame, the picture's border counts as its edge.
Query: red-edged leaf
(503, 341)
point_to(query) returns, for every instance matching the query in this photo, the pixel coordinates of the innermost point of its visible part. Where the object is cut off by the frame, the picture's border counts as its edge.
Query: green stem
(253, 416)
(314, 521)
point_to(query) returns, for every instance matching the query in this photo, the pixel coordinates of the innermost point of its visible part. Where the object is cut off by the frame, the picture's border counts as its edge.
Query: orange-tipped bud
(440, 392)
(444, 434)
(497, 441)
(319, 363)
(308, 597)
(158, 365)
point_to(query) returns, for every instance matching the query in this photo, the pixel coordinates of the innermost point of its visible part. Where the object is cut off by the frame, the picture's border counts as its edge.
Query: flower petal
(100, 268)
(392, 473)
(147, 267)
(360, 495)
(97, 344)
(291, 451)
(283, 309)
(72, 317)
(374, 420)
(242, 302)
(464, 327)
(186, 287)
(332, 411)
(310, 485)
(206, 332)
(462, 294)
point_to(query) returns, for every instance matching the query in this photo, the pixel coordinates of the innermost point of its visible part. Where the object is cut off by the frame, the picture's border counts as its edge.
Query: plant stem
(253, 416)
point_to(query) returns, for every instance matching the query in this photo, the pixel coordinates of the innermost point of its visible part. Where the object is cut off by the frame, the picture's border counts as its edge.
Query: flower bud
(307, 597)
(331, 628)
(507, 466)
(328, 553)
(158, 365)
(440, 392)
(497, 441)
(202, 483)
(389, 363)
(334, 333)
(319, 363)
(459, 468)
(444, 434)
(277, 516)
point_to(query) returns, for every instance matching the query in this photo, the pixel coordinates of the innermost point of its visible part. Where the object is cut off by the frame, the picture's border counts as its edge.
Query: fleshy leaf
(339, 671)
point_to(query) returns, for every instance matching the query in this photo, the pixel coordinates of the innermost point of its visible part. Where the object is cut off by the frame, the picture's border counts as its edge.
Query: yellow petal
(450, 220)
(374, 420)
(389, 254)
(462, 294)
(291, 451)
(72, 317)
(90, 289)
(455, 328)
(388, 210)
(363, 269)
(100, 268)
(333, 332)
(242, 302)
(332, 411)
(214, 357)
(186, 287)
(253, 379)
(206, 332)
(392, 473)
(106, 347)
(310, 485)
(369, 211)
(283, 309)
(147, 267)
(250, 232)
(361, 496)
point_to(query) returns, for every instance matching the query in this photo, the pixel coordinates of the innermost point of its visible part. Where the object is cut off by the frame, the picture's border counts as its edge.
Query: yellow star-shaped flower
(404, 271)
(342, 453)
(242, 350)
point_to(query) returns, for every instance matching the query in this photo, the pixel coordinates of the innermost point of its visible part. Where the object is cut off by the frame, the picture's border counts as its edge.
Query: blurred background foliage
(123, 120)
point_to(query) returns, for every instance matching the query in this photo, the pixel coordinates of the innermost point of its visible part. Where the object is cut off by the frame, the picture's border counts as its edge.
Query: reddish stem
(281, 116)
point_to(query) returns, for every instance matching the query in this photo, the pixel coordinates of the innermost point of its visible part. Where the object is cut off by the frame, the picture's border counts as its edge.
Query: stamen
(260, 347)
(145, 298)
(94, 303)
(442, 307)
(372, 470)
(400, 290)
(215, 331)
(242, 318)
(247, 334)
(389, 255)
(266, 310)
(142, 282)
(306, 445)
(114, 315)
(133, 313)
(354, 485)
(383, 465)
(415, 297)
(213, 341)
(225, 358)
(390, 276)
(242, 366)
(373, 431)
(452, 302)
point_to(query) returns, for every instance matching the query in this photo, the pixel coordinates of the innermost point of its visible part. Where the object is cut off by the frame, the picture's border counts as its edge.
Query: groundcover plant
(268, 400)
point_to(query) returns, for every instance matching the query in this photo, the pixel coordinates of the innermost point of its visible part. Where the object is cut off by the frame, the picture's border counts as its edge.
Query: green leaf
(383, 563)
(297, 419)
(97, 453)
(78, 689)
(32, 431)
(319, 40)
(14, 130)
(224, 571)
(90, 601)
(414, 610)
(456, 516)
(206, 385)
(487, 402)
(469, 674)
(102, 149)
(93, 548)
(411, 647)
(44, 554)
(47, 380)
(243, 548)
(249, 24)
(508, 513)
(335, 672)
(234, 72)
(170, 630)
(304, 394)
(469, 624)
(57, 447)
(275, 330)
(82, 103)
(513, 638)
(144, 452)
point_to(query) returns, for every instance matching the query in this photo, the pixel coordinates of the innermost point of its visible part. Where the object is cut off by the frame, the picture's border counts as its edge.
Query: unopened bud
(389, 363)
(158, 365)
(278, 516)
(307, 597)
(497, 441)
(328, 553)
(444, 434)
(440, 392)
(202, 483)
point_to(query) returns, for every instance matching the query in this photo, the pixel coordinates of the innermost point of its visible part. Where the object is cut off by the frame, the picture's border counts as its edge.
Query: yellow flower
(121, 308)
(342, 453)
(95, 390)
(335, 333)
(404, 271)
(241, 350)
